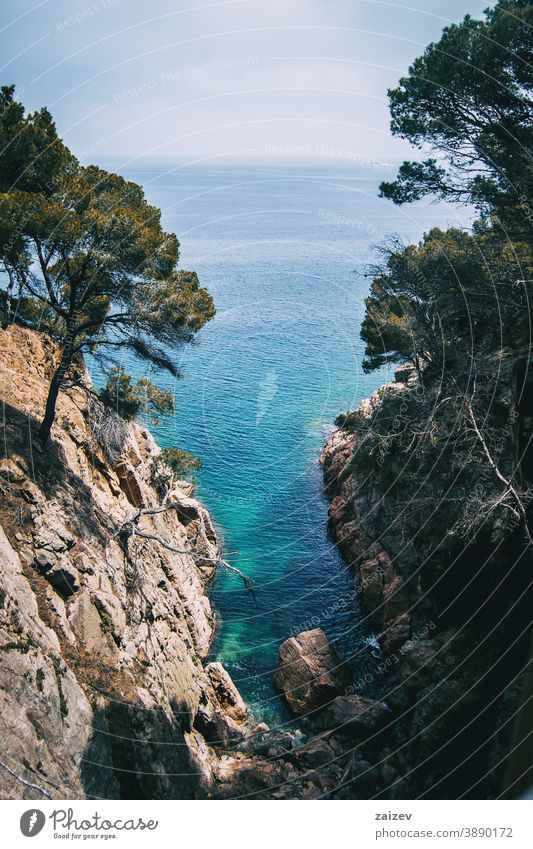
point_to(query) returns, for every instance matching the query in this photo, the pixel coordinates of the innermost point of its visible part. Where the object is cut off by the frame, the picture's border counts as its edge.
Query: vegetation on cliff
(458, 304)
(85, 257)
(467, 101)
(432, 476)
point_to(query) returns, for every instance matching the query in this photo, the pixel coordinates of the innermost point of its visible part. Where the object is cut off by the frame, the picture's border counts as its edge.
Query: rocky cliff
(354, 524)
(453, 629)
(105, 629)
(105, 625)
(104, 620)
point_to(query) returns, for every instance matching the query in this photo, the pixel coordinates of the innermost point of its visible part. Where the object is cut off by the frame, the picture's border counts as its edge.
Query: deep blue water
(283, 249)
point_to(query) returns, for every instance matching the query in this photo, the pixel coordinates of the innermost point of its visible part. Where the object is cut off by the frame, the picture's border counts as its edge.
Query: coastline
(106, 625)
(112, 629)
(428, 661)
(115, 625)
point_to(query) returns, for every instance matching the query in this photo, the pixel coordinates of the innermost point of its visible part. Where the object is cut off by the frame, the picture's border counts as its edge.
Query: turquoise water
(283, 250)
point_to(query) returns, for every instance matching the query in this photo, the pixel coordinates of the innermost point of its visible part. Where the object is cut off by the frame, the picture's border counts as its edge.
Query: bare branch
(508, 485)
(23, 781)
(130, 524)
(138, 533)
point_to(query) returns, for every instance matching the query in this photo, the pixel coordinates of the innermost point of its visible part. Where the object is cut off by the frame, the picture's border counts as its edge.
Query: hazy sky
(206, 79)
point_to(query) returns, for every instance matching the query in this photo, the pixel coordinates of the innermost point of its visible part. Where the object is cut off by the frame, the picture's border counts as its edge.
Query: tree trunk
(9, 295)
(67, 353)
(50, 410)
(53, 392)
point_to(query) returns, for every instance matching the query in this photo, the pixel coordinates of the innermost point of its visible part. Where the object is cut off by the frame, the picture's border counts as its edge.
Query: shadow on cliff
(136, 753)
(49, 471)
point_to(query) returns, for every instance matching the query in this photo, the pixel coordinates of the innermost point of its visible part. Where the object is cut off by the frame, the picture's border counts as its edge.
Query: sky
(252, 79)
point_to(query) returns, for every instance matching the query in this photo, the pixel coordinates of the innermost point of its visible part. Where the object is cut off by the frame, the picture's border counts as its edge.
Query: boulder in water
(310, 673)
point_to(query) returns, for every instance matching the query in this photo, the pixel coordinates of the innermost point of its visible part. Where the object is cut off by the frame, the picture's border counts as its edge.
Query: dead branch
(130, 524)
(245, 579)
(138, 533)
(23, 781)
(508, 485)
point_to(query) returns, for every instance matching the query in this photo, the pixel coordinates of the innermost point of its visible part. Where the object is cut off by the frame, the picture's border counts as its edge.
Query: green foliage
(452, 296)
(129, 399)
(106, 267)
(85, 256)
(180, 463)
(178, 305)
(457, 305)
(32, 157)
(469, 98)
(442, 453)
(352, 422)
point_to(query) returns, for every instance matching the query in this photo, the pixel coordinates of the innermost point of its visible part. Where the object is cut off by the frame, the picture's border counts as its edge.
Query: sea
(287, 250)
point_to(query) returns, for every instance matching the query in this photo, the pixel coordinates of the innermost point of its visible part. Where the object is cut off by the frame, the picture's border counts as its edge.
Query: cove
(283, 249)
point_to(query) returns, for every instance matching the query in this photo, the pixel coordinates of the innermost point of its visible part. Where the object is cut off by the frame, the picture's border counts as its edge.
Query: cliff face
(104, 621)
(354, 525)
(105, 627)
(453, 630)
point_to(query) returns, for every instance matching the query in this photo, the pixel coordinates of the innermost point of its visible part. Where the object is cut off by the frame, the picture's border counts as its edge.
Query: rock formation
(310, 672)
(104, 621)
(105, 625)
(105, 630)
(450, 688)
(382, 590)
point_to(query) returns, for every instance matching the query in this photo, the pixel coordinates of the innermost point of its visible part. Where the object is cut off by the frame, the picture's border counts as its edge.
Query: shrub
(129, 399)
(173, 462)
